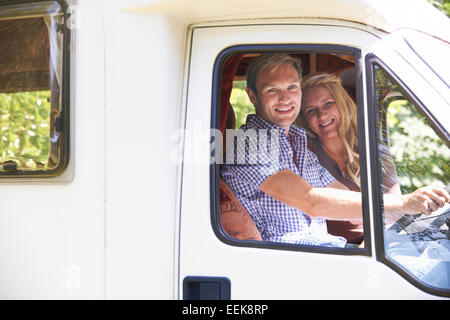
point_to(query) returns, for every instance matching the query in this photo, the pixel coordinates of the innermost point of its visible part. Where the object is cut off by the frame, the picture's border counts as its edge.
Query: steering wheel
(422, 227)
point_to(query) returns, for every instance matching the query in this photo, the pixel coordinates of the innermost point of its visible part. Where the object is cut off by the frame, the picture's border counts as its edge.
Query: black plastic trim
(65, 93)
(215, 170)
(381, 256)
(220, 288)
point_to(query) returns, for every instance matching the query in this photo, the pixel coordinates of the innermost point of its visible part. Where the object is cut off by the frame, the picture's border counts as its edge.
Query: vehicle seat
(348, 81)
(235, 219)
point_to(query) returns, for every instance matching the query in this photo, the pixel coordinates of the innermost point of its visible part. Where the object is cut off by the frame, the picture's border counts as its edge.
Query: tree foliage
(25, 128)
(442, 5)
(420, 156)
(241, 103)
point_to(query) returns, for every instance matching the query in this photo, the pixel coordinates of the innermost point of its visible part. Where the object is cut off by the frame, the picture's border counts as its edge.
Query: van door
(211, 263)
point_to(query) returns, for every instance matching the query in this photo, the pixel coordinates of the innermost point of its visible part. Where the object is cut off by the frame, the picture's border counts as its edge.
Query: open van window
(34, 110)
(238, 220)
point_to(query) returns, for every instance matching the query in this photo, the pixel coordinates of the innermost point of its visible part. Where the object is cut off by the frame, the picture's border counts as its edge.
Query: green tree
(420, 156)
(25, 129)
(242, 105)
(442, 5)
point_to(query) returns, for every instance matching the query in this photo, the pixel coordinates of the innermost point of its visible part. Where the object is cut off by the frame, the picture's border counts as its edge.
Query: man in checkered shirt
(276, 178)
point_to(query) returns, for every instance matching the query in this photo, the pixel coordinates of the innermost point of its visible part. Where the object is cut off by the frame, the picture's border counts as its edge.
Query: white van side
(134, 215)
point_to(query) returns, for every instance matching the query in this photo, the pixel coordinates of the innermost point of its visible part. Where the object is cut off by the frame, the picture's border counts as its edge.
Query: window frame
(372, 110)
(65, 146)
(215, 124)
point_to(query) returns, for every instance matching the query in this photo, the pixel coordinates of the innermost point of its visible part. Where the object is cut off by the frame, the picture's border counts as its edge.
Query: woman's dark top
(328, 163)
(351, 231)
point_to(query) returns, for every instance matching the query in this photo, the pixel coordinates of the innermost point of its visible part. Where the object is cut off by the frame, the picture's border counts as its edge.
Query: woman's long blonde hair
(348, 125)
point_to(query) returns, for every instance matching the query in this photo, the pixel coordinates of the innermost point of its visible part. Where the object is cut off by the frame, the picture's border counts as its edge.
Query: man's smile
(284, 109)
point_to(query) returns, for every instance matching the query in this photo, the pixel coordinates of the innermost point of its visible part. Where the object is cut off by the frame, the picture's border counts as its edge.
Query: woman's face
(321, 112)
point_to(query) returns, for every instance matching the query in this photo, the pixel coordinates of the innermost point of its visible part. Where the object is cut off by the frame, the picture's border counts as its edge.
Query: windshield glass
(413, 159)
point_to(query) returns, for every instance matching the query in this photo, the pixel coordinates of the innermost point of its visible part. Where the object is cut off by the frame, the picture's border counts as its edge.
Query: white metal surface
(386, 15)
(110, 230)
(144, 58)
(52, 236)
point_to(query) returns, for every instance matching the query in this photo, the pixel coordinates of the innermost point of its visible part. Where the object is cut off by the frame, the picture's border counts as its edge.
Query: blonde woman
(329, 115)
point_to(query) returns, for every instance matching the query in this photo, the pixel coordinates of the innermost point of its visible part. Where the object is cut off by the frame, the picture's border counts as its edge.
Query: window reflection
(418, 243)
(31, 86)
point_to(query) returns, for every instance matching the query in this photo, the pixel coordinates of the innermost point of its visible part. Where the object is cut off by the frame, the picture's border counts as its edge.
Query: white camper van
(107, 185)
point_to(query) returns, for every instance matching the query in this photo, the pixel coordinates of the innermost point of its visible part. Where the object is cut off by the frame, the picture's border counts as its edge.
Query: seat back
(235, 219)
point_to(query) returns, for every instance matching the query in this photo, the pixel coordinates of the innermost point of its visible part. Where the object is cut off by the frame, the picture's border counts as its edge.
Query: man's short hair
(272, 61)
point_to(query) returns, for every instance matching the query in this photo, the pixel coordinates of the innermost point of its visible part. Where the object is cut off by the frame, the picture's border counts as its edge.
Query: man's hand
(424, 200)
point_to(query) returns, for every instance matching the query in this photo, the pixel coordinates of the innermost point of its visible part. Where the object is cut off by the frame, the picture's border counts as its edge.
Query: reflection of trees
(25, 129)
(420, 156)
(442, 5)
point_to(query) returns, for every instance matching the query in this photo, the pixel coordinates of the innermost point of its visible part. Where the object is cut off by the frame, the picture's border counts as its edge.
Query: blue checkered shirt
(245, 172)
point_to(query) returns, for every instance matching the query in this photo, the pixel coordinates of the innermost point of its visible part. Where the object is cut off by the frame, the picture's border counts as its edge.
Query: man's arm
(294, 191)
(337, 185)
(332, 203)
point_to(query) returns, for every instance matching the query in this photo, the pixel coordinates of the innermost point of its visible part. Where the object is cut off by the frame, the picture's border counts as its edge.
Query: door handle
(206, 288)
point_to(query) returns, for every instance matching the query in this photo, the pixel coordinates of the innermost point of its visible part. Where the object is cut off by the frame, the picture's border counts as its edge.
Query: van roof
(385, 15)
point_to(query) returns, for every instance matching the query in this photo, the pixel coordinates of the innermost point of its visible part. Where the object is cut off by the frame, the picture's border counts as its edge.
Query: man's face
(278, 95)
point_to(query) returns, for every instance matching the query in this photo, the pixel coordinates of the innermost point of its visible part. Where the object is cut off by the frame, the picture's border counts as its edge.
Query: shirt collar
(254, 121)
(296, 130)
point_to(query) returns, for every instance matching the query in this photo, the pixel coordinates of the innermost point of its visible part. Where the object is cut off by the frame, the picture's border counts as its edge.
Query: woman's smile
(326, 124)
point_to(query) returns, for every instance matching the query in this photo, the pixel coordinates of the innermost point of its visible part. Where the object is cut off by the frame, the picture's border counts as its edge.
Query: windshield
(413, 157)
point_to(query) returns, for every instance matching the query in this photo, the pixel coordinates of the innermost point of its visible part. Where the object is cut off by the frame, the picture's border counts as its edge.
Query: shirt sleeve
(253, 175)
(315, 174)
(255, 161)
